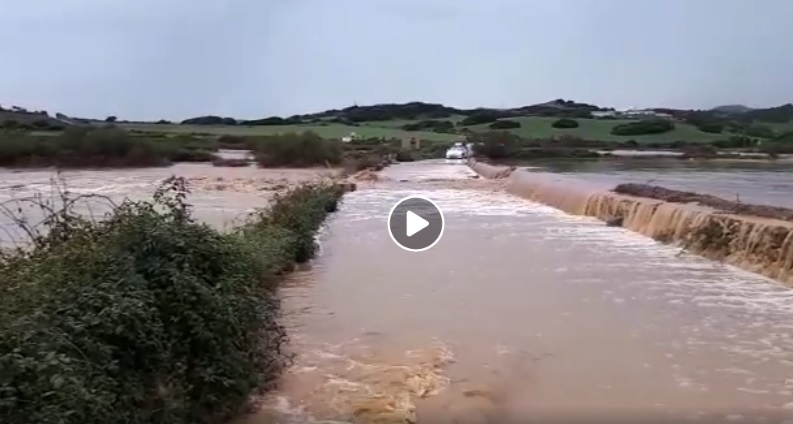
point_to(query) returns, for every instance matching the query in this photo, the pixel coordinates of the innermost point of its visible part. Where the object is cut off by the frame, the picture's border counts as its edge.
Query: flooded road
(521, 311)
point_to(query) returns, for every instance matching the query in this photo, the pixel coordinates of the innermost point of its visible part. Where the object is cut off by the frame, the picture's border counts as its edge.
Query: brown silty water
(523, 312)
(519, 312)
(220, 196)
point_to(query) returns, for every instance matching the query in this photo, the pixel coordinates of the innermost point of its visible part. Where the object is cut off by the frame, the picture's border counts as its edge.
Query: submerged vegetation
(296, 150)
(148, 316)
(100, 147)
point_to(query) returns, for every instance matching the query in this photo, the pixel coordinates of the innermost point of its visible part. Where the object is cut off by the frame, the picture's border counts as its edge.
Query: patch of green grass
(532, 127)
(325, 131)
(600, 129)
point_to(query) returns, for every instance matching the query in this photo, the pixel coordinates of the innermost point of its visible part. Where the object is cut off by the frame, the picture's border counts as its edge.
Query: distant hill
(428, 115)
(18, 117)
(409, 112)
(731, 109)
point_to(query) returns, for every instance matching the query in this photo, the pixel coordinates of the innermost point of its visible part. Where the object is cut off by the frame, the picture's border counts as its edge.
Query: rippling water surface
(519, 311)
(760, 182)
(536, 314)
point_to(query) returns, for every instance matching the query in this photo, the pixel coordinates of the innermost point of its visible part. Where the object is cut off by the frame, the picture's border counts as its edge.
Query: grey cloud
(251, 58)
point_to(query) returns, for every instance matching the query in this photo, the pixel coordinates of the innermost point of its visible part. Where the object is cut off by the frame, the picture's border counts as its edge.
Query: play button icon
(415, 223)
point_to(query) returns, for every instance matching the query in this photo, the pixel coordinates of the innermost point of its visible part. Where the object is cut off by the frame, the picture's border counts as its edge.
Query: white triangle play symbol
(415, 223)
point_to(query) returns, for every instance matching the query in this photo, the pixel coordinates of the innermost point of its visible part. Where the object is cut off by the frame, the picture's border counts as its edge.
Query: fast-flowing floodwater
(760, 182)
(523, 312)
(519, 312)
(220, 196)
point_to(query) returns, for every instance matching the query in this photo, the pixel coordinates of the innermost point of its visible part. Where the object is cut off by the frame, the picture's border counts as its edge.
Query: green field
(531, 127)
(326, 131)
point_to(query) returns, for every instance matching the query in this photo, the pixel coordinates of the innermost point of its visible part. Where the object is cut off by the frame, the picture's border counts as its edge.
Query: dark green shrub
(504, 124)
(430, 125)
(644, 127)
(148, 317)
(710, 127)
(735, 142)
(760, 131)
(101, 147)
(306, 149)
(496, 144)
(565, 123)
(232, 142)
(404, 156)
(483, 117)
(209, 120)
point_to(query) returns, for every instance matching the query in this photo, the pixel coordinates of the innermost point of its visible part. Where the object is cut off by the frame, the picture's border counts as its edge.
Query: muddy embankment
(751, 237)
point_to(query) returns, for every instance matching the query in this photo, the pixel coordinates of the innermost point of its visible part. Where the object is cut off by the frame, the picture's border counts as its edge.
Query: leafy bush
(504, 124)
(644, 127)
(431, 125)
(306, 149)
(565, 123)
(735, 142)
(483, 117)
(149, 316)
(710, 127)
(404, 156)
(496, 144)
(760, 131)
(101, 147)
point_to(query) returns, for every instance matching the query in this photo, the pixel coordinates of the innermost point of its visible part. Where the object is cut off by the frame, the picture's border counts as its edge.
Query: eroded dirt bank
(711, 227)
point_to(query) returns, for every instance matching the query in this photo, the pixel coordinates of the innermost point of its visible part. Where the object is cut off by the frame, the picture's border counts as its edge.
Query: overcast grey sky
(147, 59)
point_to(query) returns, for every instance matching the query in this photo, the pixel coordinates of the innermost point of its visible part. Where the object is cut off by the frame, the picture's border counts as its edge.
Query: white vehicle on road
(458, 151)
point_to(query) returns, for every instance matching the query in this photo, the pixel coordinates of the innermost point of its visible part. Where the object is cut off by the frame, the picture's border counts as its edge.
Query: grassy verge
(149, 316)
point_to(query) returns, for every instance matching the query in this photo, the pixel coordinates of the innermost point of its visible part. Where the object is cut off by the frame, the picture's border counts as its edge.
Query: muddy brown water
(519, 312)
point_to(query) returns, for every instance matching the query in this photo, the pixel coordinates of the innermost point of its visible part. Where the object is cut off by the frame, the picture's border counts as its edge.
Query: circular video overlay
(415, 223)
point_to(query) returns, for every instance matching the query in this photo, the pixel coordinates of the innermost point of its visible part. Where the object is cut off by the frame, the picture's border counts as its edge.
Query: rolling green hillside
(531, 127)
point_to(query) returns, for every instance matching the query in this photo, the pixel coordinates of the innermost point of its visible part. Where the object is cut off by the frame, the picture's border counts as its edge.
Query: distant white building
(604, 114)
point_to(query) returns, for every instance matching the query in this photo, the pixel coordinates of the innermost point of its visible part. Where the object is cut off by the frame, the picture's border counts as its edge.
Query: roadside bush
(233, 142)
(565, 123)
(80, 147)
(149, 316)
(355, 163)
(405, 156)
(299, 150)
(496, 144)
(644, 127)
(504, 124)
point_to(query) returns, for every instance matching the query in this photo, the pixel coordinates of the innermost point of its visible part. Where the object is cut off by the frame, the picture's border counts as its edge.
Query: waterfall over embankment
(761, 245)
